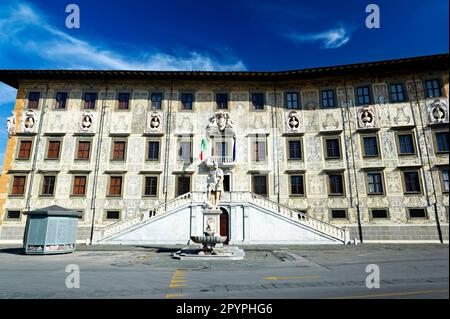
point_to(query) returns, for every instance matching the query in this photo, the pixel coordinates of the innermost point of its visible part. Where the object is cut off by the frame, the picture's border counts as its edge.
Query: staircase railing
(243, 196)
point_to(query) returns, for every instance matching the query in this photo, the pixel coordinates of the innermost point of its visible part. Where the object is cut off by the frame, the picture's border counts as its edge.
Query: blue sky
(212, 35)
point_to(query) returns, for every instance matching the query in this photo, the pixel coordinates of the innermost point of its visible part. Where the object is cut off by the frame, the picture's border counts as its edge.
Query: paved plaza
(268, 272)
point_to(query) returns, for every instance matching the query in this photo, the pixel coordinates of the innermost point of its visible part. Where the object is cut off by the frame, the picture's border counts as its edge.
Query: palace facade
(319, 155)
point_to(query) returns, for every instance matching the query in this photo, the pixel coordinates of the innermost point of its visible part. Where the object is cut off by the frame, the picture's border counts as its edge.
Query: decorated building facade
(319, 155)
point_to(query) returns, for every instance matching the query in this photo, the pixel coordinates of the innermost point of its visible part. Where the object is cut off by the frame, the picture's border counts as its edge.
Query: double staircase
(195, 198)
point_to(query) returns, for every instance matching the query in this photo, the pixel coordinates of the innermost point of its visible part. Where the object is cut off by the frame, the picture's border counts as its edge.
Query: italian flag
(203, 148)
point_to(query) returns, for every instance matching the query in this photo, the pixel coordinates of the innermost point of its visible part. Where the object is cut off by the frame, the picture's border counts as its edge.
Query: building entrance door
(224, 225)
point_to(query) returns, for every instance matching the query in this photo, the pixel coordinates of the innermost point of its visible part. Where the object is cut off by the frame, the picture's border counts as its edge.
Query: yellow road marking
(392, 294)
(174, 295)
(290, 277)
(176, 285)
(174, 281)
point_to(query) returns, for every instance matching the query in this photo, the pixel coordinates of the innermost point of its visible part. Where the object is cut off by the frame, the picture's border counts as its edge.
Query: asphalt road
(297, 272)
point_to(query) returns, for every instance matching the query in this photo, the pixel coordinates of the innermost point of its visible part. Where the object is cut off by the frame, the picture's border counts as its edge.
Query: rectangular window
(295, 149)
(153, 151)
(184, 151)
(89, 100)
(406, 144)
(183, 185)
(156, 100)
(259, 184)
(336, 184)
(258, 101)
(53, 150)
(375, 183)
(13, 215)
(83, 151)
(119, 149)
(221, 148)
(397, 93)
(363, 95)
(226, 183)
(332, 148)
(33, 100)
(412, 182)
(441, 142)
(222, 100)
(370, 144)
(79, 185)
(24, 150)
(124, 101)
(379, 213)
(338, 213)
(417, 213)
(292, 100)
(48, 185)
(328, 99)
(258, 151)
(112, 215)
(444, 179)
(61, 100)
(18, 187)
(115, 186)
(433, 88)
(187, 100)
(151, 186)
(297, 185)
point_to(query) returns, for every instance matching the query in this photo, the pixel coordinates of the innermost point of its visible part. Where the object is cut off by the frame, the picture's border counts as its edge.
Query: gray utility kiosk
(51, 230)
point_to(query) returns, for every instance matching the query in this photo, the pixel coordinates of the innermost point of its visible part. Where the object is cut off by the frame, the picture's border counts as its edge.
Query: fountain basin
(209, 240)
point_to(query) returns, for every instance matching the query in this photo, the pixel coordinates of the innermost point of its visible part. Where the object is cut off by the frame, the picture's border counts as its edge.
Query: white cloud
(331, 39)
(25, 29)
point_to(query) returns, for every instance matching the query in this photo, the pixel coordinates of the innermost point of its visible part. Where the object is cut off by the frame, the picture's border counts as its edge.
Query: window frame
(254, 107)
(286, 100)
(405, 96)
(77, 148)
(253, 155)
(408, 211)
(435, 142)
(95, 93)
(216, 95)
(370, 95)
(66, 104)
(182, 104)
(72, 192)
(363, 145)
(47, 149)
(439, 87)
(325, 148)
(130, 96)
(383, 193)
(303, 194)
(180, 158)
(266, 176)
(147, 147)
(38, 101)
(330, 194)
(155, 93)
(144, 186)
(388, 215)
(177, 183)
(125, 150)
(11, 187)
(405, 191)
(414, 142)
(105, 215)
(6, 218)
(55, 184)
(288, 149)
(122, 183)
(23, 159)
(441, 178)
(338, 218)
(328, 99)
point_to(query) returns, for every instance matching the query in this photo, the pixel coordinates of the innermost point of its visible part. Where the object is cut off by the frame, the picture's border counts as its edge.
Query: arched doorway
(224, 224)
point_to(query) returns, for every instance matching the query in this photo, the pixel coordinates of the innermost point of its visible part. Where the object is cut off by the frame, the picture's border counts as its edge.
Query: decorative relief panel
(293, 122)
(29, 122)
(329, 121)
(366, 117)
(437, 112)
(343, 97)
(401, 115)
(310, 100)
(154, 122)
(10, 124)
(380, 93)
(86, 124)
(204, 97)
(413, 89)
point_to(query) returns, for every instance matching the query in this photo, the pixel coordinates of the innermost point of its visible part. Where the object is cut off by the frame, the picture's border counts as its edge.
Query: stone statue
(10, 124)
(214, 187)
